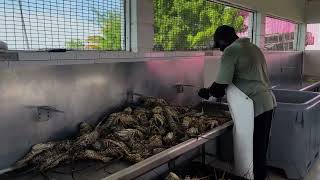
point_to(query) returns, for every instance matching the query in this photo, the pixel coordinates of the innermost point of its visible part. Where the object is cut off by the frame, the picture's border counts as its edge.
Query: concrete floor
(314, 173)
(275, 174)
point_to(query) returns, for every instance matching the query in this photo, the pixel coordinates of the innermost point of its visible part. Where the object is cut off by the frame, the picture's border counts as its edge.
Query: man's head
(224, 37)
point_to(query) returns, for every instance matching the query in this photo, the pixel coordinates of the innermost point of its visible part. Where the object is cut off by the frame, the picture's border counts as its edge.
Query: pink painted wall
(276, 26)
(273, 26)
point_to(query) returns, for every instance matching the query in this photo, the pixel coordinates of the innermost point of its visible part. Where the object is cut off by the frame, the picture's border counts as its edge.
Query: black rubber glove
(204, 93)
(218, 90)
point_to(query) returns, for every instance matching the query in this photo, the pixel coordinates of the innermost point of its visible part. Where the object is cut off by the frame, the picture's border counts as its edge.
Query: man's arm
(224, 78)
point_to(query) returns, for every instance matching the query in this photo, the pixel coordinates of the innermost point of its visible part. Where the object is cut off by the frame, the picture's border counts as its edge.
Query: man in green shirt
(244, 65)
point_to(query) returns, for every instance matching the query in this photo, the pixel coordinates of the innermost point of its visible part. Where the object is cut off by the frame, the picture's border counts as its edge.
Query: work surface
(83, 170)
(93, 170)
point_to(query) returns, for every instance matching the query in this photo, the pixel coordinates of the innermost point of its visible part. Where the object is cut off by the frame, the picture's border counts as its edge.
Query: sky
(52, 23)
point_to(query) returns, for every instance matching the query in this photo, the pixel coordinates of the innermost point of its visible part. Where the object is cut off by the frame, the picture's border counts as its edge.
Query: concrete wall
(289, 9)
(285, 69)
(312, 63)
(312, 57)
(84, 92)
(312, 12)
(211, 67)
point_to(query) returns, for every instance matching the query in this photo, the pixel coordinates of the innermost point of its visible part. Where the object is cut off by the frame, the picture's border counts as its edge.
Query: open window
(280, 35)
(313, 37)
(73, 24)
(190, 24)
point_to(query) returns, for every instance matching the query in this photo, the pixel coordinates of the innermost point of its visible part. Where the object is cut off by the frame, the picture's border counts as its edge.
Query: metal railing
(313, 87)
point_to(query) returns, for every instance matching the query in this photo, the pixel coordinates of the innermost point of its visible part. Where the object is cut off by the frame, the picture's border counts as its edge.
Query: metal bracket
(45, 112)
(180, 87)
(130, 95)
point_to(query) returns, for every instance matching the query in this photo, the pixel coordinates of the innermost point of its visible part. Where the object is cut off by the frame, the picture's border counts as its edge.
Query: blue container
(295, 133)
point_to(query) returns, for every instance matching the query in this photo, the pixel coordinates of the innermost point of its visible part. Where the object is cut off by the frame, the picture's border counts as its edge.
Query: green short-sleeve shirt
(244, 65)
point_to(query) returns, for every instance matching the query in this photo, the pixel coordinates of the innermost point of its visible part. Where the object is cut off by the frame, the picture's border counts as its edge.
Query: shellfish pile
(173, 176)
(133, 134)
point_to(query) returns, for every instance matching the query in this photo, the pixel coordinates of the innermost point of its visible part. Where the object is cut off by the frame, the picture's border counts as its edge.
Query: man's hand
(204, 93)
(218, 90)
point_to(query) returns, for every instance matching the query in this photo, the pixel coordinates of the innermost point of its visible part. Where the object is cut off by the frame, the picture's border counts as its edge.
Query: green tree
(109, 37)
(190, 24)
(75, 44)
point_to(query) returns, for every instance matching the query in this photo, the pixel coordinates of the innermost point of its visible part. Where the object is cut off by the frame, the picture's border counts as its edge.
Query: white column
(259, 29)
(300, 36)
(142, 31)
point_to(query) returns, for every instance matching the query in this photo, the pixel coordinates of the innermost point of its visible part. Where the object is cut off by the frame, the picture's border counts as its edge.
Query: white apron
(242, 112)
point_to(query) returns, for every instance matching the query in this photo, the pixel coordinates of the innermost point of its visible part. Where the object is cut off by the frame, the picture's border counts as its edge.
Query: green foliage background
(178, 25)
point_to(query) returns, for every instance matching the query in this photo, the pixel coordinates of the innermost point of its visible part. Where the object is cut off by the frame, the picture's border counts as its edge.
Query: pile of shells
(133, 134)
(173, 176)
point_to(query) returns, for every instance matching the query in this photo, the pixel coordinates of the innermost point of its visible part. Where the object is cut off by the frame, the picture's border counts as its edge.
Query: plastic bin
(294, 142)
(315, 87)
